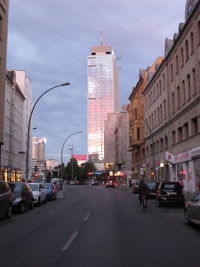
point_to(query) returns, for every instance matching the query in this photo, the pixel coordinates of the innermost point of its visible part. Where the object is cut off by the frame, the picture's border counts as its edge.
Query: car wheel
(9, 212)
(187, 220)
(22, 208)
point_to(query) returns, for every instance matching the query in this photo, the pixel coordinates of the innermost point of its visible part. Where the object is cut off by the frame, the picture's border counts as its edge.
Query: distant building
(116, 140)
(3, 52)
(51, 164)
(38, 156)
(103, 96)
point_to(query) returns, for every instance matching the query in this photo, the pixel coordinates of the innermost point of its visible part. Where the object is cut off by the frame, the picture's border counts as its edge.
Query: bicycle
(143, 202)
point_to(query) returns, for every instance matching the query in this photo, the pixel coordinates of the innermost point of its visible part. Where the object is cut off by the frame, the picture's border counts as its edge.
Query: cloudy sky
(51, 39)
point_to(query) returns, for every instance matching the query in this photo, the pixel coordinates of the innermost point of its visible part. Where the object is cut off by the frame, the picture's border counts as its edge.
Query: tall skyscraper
(38, 155)
(103, 96)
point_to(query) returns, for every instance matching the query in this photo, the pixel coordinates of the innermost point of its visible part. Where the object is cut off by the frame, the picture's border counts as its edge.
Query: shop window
(194, 126)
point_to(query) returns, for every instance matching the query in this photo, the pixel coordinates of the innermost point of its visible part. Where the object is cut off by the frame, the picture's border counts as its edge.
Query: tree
(86, 168)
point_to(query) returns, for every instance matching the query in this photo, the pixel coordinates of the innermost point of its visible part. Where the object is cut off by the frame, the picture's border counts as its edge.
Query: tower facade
(103, 96)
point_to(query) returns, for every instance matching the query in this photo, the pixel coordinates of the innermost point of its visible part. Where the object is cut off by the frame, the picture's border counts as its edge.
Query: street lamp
(29, 123)
(62, 151)
(153, 160)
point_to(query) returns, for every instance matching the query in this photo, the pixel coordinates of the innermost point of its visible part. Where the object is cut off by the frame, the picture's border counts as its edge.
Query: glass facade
(103, 97)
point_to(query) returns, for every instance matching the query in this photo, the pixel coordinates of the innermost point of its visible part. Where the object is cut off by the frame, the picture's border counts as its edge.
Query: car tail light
(53, 191)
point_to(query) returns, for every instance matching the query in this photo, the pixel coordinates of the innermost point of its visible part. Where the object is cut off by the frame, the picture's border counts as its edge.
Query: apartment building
(3, 52)
(137, 122)
(175, 124)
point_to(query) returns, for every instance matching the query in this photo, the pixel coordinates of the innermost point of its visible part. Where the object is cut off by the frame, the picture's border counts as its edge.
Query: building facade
(15, 129)
(103, 96)
(3, 53)
(175, 123)
(51, 164)
(137, 121)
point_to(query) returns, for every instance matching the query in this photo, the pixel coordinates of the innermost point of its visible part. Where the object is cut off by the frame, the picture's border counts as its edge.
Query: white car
(39, 193)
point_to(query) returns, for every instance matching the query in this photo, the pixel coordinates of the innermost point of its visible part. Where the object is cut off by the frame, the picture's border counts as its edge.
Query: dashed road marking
(70, 241)
(86, 217)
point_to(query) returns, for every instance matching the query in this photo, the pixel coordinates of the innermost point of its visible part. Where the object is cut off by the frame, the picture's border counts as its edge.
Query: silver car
(192, 210)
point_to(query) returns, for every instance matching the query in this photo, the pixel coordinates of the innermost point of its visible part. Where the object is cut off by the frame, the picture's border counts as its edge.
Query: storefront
(185, 168)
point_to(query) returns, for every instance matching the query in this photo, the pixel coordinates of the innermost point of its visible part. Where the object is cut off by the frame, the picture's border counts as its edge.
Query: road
(91, 226)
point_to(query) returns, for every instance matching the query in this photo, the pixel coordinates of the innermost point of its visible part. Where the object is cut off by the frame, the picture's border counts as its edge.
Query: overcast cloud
(50, 40)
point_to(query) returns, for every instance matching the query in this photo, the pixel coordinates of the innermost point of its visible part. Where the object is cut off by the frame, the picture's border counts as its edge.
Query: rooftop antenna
(101, 31)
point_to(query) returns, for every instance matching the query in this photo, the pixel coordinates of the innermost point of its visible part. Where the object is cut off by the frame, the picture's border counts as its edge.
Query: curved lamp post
(29, 123)
(153, 160)
(62, 151)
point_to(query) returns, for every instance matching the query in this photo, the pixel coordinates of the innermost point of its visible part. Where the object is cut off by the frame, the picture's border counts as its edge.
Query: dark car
(110, 183)
(170, 193)
(22, 197)
(5, 200)
(51, 191)
(153, 187)
(192, 210)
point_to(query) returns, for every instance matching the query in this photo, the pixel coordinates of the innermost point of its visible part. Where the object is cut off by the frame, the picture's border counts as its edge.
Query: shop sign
(169, 157)
(195, 152)
(182, 157)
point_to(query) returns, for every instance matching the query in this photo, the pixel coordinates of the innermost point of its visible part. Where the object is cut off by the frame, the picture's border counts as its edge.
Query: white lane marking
(86, 217)
(94, 206)
(69, 241)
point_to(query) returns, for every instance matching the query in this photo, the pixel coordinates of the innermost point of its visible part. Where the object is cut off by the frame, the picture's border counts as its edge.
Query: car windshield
(169, 186)
(48, 186)
(151, 185)
(16, 188)
(34, 187)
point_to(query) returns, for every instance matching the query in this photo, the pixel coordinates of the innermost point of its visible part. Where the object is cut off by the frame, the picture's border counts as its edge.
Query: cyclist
(143, 191)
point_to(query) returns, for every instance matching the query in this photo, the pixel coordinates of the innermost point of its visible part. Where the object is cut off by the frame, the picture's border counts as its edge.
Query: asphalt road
(89, 226)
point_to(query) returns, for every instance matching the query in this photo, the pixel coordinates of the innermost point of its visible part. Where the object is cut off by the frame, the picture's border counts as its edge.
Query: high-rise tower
(103, 96)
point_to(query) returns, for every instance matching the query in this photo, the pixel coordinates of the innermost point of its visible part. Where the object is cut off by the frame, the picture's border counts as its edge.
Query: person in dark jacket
(143, 192)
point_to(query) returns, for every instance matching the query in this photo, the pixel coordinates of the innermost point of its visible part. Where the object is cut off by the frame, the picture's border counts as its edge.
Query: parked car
(5, 200)
(192, 210)
(153, 187)
(51, 191)
(39, 193)
(110, 183)
(170, 193)
(22, 197)
(135, 188)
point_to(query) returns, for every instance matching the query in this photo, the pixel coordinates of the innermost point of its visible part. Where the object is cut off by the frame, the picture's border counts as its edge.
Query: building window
(163, 81)
(185, 131)
(194, 126)
(173, 104)
(186, 51)
(184, 94)
(182, 56)
(158, 109)
(188, 87)
(194, 82)
(198, 31)
(178, 97)
(160, 87)
(161, 144)
(165, 110)
(177, 67)
(161, 114)
(173, 138)
(179, 134)
(172, 75)
(192, 42)
(138, 133)
(166, 142)
(135, 113)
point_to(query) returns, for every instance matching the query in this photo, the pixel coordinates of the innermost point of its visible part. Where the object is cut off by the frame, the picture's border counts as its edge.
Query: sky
(50, 40)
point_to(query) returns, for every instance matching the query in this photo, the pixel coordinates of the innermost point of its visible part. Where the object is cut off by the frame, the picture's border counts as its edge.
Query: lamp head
(65, 84)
